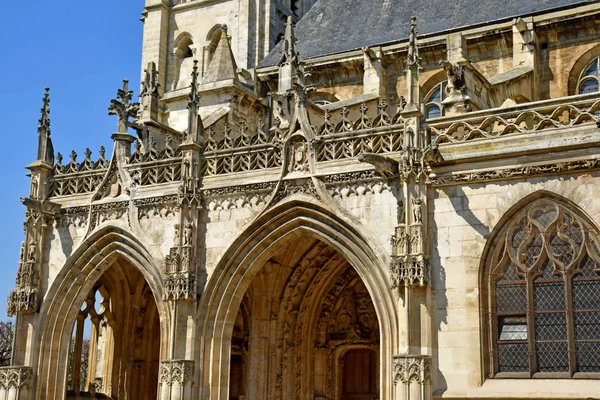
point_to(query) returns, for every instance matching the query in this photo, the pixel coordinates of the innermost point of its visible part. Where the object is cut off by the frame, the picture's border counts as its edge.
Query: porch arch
(77, 277)
(268, 234)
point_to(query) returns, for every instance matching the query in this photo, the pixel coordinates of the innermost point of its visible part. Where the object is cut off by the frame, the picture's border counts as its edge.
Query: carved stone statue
(187, 234)
(176, 239)
(31, 251)
(22, 254)
(417, 211)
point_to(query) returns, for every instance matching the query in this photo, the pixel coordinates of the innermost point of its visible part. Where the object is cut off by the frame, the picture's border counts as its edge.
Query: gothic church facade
(326, 200)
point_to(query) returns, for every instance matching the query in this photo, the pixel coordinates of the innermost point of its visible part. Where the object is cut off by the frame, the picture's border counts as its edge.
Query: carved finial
(195, 126)
(88, 154)
(413, 64)
(194, 97)
(413, 51)
(288, 53)
(45, 149)
(122, 108)
(73, 156)
(44, 121)
(102, 152)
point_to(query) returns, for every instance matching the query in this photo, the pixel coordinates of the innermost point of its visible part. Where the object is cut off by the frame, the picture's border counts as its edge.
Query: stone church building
(326, 200)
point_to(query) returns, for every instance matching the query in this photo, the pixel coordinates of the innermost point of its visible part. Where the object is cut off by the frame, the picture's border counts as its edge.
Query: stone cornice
(516, 172)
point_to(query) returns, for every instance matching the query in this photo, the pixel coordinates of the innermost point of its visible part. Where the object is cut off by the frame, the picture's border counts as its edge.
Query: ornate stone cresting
(409, 369)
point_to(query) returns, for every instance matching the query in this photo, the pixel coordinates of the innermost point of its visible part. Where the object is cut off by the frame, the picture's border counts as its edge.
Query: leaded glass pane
(550, 326)
(586, 294)
(513, 357)
(512, 328)
(552, 356)
(511, 298)
(588, 359)
(587, 325)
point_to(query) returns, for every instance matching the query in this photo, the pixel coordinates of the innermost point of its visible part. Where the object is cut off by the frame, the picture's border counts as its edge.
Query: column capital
(412, 368)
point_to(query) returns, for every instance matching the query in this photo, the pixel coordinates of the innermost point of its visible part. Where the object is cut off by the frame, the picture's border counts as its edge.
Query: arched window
(590, 79)
(433, 101)
(181, 62)
(543, 289)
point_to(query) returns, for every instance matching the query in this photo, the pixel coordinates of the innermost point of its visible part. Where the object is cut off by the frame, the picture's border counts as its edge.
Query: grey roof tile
(336, 26)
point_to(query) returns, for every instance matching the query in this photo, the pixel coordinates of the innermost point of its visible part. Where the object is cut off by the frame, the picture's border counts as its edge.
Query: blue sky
(81, 50)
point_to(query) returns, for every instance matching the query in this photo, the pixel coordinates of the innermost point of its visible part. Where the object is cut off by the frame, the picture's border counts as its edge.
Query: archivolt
(68, 291)
(270, 233)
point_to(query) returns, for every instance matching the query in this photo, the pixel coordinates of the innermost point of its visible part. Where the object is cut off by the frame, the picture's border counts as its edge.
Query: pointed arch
(272, 231)
(68, 291)
(531, 272)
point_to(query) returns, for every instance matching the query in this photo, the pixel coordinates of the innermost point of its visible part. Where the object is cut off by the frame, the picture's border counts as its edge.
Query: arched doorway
(249, 259)
(306, 328)
(114, 350)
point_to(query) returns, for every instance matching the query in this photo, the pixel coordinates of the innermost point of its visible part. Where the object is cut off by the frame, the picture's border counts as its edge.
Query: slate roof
(336, 26)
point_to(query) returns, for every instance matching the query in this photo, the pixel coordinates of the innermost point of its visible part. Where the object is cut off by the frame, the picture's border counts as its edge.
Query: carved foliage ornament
(15, 377)
(514, 173)
(175, 371)
(412, 368)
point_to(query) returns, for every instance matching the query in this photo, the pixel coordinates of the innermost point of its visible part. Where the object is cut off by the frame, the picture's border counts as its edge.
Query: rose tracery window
(544, 295)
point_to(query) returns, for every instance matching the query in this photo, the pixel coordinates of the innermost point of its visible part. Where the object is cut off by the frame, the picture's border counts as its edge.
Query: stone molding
(516, 173)
(15, 377)
(411, 368)
(176, 371)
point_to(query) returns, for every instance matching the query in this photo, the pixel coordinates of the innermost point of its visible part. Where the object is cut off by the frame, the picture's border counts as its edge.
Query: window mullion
(531, 327)
(570, 322)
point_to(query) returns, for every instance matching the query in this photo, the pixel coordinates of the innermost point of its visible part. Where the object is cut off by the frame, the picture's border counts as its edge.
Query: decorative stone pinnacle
(44, 121)
(150, 85)
(122, 108)
(194, 98)
(289, 52)
(413, 51)
(45, 149)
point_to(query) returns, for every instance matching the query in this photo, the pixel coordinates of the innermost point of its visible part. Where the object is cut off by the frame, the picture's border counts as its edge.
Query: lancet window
(544, 295)
(92, 339)
(433, 101)
(589, 81)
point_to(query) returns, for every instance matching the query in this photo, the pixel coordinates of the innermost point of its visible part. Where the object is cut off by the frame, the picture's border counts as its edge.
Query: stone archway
(253, 261)
(111, 254)
(120, 356)
(306, 322)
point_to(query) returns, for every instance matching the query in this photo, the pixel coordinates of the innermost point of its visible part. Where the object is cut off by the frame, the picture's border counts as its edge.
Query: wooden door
(359, 375)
